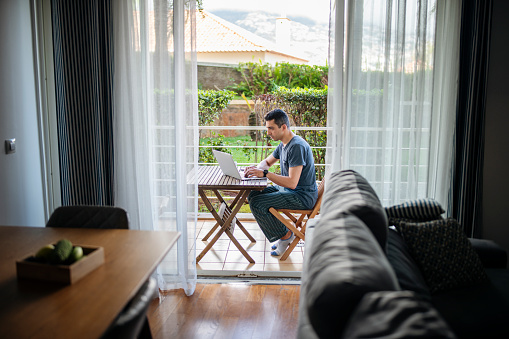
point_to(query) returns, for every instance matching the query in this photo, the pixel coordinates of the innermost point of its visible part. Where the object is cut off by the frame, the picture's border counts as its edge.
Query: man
(294, 188)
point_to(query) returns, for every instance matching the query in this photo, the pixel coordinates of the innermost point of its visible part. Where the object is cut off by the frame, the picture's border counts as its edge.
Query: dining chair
(133, 322)
(86, 216)
(296, 220)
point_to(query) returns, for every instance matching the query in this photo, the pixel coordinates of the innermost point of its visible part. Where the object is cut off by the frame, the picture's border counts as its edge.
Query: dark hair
(279, 116)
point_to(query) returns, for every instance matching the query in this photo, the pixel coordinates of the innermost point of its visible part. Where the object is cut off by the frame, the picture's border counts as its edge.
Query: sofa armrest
(344, 263)
(396, 314)
(491, 254)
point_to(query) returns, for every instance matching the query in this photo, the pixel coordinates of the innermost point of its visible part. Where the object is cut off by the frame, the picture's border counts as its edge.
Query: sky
(317, 10)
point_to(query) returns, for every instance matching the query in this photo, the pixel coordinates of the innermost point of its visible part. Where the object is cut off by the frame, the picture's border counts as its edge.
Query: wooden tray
(65, 274)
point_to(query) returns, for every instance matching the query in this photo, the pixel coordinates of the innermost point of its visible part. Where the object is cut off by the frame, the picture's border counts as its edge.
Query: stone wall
(236, 114)
(216, 76)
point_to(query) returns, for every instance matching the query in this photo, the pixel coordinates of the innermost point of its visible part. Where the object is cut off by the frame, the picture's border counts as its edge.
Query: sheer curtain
(388, 120)
(155, 121)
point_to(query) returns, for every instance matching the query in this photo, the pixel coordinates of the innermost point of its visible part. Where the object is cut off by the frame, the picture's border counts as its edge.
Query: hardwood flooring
(227, 311)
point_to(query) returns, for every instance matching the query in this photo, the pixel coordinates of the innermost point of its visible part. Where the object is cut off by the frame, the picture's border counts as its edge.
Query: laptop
(229, 167)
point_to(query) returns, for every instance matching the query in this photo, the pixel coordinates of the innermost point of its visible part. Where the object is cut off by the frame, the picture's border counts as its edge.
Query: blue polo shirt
(296, 153)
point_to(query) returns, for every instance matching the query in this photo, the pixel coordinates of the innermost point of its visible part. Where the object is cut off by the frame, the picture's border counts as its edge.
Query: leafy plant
(306, 107)
(215, 142)
(263, 78)
(211, 103)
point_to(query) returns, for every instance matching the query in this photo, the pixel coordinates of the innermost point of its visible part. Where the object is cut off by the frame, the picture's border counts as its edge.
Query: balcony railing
(381, 182)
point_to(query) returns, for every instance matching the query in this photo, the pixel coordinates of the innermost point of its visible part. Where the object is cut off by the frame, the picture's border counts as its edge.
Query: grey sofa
(362, 280)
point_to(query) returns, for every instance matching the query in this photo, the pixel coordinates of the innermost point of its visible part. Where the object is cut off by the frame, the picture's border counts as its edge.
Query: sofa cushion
(348, 191)
(408, 272)
(344, 263)
(396, 314)
(491, 254)
(477, 311)
(419, 209)
(443, 253)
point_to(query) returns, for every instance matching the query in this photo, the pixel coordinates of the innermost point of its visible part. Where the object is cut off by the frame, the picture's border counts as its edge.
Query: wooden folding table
(212, 178)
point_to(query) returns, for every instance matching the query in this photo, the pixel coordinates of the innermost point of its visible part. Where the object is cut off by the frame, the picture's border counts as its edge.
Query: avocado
(62, 250)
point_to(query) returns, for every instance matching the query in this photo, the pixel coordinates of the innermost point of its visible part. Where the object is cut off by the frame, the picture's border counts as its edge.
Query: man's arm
(264, 164)
(270, 160)
(289, 181)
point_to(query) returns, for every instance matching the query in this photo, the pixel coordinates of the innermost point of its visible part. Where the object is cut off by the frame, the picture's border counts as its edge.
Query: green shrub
(211, 103)
(215, 141)
(263, 78)
(306, 107)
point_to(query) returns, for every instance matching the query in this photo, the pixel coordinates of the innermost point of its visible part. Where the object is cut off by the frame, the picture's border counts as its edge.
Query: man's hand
(253, 171)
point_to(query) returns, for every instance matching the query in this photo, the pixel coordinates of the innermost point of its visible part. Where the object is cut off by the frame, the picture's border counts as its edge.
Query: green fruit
(76, 254)
(44, 252)
(62, 251)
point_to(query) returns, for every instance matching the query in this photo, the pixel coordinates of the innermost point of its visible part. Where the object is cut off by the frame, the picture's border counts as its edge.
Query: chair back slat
(318, 203)
(298, 226)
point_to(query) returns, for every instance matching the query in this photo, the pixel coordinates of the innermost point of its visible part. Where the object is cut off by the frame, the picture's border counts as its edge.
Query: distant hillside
(308, 37)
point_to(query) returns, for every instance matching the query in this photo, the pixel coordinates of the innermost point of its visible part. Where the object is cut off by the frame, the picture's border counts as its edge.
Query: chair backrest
(85, 216)
(132, 319)
(318, 203)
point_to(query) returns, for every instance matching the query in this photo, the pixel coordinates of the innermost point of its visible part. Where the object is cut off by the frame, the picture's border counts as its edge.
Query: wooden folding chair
(297, 220)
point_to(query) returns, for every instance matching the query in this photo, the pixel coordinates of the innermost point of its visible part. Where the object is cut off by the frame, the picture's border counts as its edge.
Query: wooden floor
(227, 311)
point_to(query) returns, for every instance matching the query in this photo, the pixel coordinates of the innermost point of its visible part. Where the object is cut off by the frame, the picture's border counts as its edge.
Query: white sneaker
(282, 245)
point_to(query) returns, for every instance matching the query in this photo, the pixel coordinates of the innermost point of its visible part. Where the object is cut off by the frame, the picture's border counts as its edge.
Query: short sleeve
(276, 153)
(296, 156)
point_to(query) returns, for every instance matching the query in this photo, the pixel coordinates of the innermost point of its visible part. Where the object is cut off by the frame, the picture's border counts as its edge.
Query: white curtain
(392, 94)
(445, 89)
(155, 122)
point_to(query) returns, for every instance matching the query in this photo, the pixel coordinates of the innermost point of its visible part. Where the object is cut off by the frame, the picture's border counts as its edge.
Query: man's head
(277, 124)
(279, 116)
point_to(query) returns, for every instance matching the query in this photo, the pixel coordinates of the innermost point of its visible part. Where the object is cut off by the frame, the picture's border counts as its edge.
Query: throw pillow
(420, 209)
(444, 254)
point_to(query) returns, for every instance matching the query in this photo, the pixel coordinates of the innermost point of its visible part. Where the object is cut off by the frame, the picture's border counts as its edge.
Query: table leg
(212, 230)
(223, 228)
(239, 246)
(245, 231)
(221, 200)
(230, 235)
(219, 221)
(209, 245)
(232, 206)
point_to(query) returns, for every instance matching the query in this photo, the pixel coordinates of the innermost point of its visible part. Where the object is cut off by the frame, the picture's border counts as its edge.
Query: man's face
(275, 132)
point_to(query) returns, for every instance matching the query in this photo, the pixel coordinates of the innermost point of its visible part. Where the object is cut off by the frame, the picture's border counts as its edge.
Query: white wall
(235, 58)
(21, 192)
(496, 155)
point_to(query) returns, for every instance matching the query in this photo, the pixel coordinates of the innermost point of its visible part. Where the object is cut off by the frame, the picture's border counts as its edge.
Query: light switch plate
(10, 146)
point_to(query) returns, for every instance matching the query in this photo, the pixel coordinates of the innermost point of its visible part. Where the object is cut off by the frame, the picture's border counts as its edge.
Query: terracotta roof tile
(214, 34)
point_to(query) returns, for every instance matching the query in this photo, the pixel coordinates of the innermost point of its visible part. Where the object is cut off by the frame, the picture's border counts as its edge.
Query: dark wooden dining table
(211, 178)
(86, 308)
